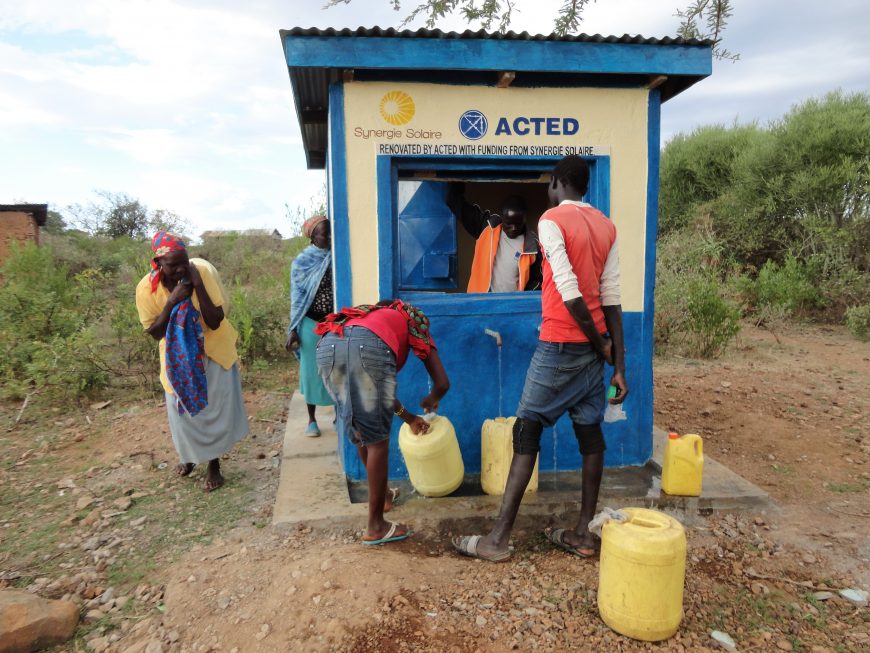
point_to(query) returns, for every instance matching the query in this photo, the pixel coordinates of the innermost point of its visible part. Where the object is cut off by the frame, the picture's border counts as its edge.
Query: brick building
(21, 223)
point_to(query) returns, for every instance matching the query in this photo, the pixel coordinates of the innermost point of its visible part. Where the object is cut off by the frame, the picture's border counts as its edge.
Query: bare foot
(184, 469)
(213, 479)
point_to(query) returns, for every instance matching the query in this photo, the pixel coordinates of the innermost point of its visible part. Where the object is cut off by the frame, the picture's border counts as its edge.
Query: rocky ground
(90, 512)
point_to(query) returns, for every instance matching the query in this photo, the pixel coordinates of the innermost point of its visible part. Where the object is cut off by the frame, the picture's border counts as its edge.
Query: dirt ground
(90, 511)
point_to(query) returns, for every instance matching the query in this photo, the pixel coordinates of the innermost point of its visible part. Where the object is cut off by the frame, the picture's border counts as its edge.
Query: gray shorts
(359, 372)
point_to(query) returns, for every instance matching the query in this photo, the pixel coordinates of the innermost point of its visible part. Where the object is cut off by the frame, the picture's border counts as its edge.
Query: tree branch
(714, 14)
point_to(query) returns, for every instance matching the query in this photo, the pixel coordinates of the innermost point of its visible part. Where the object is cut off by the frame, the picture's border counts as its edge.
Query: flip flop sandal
(467, 546)
(390, 536)
(556, 537)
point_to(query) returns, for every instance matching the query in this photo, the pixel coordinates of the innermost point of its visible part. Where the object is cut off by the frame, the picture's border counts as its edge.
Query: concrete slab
(314, 490)
(722, 490)
(312, 485)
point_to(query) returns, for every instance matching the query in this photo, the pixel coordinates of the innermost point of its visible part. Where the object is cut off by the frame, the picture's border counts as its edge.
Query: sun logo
(397, 107)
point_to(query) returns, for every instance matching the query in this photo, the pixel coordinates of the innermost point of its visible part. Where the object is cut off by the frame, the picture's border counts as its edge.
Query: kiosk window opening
(444, 219)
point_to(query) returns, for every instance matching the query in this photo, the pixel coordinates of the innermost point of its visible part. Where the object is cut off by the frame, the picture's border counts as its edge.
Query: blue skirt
(310, 383)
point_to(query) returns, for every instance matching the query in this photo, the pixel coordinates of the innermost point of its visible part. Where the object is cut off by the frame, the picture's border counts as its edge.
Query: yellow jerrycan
(496, 454)
(641, 574)
(683, 465)
(433, 459)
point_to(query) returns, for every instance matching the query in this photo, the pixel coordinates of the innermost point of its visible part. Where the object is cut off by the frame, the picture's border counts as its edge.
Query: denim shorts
(359, 372)
(564, 376)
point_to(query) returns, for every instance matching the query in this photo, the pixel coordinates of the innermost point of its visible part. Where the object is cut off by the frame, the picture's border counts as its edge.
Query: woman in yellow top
(181, 304)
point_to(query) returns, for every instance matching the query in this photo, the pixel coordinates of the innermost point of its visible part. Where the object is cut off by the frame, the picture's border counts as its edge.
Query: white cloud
(149, 146)
(186, 104)
(16, 111)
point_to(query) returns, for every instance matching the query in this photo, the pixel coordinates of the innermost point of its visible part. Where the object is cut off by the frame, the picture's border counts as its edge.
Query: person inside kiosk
(506, 252)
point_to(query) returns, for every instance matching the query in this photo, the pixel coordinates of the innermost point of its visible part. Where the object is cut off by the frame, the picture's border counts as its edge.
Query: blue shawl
(306, 273)
(185, 349)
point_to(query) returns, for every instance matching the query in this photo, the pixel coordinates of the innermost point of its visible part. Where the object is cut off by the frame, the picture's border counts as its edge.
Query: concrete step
(313, 489)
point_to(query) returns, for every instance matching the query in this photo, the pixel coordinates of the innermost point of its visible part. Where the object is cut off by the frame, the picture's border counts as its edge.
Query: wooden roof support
(505, 78)
(656, 81)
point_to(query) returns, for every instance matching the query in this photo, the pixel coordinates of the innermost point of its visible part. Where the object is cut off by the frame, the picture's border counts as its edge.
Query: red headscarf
(162, 244)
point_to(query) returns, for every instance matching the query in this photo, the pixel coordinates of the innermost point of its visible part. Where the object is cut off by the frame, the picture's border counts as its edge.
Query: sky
(187, 106)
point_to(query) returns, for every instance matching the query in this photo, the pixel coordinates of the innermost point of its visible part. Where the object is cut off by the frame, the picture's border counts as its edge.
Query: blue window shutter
(427, 237)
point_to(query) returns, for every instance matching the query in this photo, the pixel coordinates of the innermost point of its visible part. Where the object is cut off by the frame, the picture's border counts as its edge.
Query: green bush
(787, 204)
(694, 316)
(786, 287)
(858, 321)
(256, 273)
(48, 318)
(698, 168)
(260, 315)
(70, 367)
(711, 321)
(69, 326)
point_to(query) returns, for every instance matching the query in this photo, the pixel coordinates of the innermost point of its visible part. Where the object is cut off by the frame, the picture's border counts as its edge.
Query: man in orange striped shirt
(581, 329)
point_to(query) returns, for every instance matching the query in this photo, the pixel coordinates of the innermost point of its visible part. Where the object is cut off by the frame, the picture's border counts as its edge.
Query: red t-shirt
(391, 326)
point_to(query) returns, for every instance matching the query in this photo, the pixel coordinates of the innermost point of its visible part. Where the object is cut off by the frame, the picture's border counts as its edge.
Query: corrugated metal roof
(311, 80)
(38, 211)
(483, 34)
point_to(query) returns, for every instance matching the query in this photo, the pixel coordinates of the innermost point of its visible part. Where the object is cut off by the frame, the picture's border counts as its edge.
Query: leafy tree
(799, 186)
(166, 220)
(702, 19)
(115, 215)
(54, 222)
(124, 216)
(698, 168)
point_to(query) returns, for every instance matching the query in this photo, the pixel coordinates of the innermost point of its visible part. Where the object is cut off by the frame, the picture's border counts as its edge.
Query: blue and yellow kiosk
(396, 116)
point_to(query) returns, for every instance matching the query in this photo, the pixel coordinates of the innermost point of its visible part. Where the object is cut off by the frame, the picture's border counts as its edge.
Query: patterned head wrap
(310, 223)
(162, 244)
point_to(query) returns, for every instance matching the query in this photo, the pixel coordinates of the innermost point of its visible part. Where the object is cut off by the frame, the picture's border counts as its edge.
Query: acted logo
(473, 124)
(397, 107)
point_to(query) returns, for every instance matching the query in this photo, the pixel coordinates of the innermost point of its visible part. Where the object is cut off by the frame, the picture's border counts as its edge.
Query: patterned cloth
(419, 337)
(162, 244)
(184, 358)
(306, 272)
(323, 303)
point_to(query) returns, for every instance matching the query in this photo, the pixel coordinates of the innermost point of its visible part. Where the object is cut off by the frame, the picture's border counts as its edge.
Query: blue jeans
(359, 372)
(564, 376)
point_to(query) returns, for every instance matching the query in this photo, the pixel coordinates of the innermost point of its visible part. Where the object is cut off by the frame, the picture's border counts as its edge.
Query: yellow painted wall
(613, 120)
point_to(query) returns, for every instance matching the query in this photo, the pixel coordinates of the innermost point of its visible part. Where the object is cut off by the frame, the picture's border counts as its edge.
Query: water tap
(494, 334)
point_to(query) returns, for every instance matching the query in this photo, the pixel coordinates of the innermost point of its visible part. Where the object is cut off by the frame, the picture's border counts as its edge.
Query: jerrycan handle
(645, 523)
(697, 444)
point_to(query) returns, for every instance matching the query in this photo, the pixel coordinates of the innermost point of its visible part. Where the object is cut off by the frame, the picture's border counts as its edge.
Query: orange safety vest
(484, 258)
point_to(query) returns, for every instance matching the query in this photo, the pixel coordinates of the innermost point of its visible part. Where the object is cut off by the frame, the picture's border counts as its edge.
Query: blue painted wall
(471, 360)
